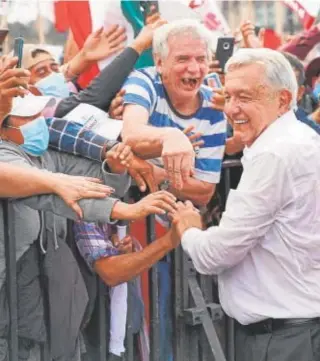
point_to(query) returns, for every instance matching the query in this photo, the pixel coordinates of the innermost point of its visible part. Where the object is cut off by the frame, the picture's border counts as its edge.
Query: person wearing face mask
(40, 230)
(51, 79)
(48, 78)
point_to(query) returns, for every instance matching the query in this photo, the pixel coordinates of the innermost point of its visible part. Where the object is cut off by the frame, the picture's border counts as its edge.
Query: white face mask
(54, 85)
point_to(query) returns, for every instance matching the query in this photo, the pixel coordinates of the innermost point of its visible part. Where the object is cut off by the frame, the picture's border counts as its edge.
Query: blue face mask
(316, 92)
(36, 137)
(54, 85)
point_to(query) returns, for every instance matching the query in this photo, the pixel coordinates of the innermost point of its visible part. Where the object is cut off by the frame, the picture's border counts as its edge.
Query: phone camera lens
(226, 46)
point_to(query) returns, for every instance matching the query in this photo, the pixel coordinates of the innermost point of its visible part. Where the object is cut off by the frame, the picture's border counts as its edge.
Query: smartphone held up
(18, 50)
(224, 50)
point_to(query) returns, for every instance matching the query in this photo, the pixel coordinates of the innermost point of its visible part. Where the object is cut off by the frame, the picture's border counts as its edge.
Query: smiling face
(184, 68)
(252, 104)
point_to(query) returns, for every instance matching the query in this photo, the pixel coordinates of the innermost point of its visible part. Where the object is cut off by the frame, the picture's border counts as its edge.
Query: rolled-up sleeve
(73, 165)
(73, 138)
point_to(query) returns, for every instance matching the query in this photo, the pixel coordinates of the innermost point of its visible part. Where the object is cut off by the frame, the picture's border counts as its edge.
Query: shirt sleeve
(139, 90)
(73, 138)
(250, 212)
(94, 210)
(93, 242)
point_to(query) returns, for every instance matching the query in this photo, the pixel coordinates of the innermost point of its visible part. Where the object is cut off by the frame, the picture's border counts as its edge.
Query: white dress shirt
(266, 250)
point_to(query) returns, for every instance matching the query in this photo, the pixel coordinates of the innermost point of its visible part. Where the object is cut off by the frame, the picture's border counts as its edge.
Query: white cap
(29, 105)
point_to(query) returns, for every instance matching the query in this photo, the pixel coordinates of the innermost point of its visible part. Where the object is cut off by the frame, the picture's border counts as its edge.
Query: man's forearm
(194, 190)
(21, 182)
(76, 65)
(122, 268)
(146, 141)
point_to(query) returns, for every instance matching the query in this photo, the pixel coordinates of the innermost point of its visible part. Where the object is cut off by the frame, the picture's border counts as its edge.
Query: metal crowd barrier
(201, 331)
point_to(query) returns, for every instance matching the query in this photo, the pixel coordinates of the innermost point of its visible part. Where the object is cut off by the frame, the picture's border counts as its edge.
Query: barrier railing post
(129, 333)
(154, 298)
(230, 332)
(11, 279)
(102, 321)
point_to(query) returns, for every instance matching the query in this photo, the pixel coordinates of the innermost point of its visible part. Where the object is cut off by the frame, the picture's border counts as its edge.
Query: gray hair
(278, 71)
(178, 27)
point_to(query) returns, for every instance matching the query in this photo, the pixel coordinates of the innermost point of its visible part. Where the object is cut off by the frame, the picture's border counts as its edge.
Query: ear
(284, 101)
(158, 63)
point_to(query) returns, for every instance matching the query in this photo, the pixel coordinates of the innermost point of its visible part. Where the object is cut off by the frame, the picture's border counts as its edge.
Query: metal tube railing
(153, 298)
(11, 279)
(230, 332)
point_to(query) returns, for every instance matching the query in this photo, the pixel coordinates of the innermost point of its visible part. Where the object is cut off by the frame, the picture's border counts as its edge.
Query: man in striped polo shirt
(161, 101)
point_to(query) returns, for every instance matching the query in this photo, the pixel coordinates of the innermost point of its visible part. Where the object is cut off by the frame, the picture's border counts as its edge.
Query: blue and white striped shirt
(144, 87)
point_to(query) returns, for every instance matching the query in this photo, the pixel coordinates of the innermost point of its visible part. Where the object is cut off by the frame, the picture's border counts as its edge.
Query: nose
(193, 66)
(232, 109)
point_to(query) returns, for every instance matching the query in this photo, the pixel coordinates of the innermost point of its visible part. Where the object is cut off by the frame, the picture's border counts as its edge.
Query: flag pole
(40, 26)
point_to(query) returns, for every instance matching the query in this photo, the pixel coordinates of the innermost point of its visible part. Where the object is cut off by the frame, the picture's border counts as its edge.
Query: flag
(61, 22)
(211, 15)
(307, 10)
(271, 39)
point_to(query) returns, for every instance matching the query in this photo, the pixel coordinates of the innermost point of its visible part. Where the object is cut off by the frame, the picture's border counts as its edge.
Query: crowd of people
(175, 133)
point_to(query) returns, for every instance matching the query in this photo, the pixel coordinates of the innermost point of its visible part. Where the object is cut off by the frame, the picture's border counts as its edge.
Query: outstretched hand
(74, 188)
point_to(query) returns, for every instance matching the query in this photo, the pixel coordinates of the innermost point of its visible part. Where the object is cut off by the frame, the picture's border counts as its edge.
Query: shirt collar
(274, 130)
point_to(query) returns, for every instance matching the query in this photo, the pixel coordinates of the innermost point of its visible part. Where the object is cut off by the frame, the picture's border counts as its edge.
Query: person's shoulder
(13, 153)
(10, 147)
(293, 144)
(144, 79)
(148, 73)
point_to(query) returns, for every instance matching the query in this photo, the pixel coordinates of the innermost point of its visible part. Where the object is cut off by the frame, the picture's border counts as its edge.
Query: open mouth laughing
(190, 83)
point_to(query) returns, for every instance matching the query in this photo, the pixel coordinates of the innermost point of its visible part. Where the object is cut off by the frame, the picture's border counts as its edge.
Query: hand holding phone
(224, 50)
(18, 50)
(148, 8)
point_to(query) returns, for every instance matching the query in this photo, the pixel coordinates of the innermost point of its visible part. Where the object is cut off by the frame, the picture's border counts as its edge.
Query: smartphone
(3, 35)
(224, 50)
(149, 8)
(213, 80)
(18, 50)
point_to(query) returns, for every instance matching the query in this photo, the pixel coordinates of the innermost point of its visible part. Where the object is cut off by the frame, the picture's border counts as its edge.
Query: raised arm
(150, 142)
(303, 43)
(104, 87)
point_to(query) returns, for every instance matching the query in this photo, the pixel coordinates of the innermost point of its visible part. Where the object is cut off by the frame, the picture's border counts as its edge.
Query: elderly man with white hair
(161, 101)
(266, 249)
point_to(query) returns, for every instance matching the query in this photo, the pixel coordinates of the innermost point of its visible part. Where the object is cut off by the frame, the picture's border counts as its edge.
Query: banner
(307, 10)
